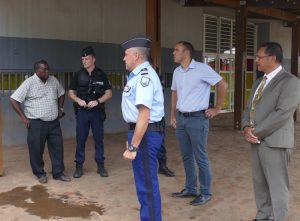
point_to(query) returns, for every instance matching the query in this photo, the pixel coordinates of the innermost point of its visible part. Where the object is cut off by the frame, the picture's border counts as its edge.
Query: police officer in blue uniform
(143, 110)
(89, 89)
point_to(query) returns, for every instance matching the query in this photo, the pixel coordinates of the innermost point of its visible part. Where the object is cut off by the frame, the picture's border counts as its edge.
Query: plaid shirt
(40, 99)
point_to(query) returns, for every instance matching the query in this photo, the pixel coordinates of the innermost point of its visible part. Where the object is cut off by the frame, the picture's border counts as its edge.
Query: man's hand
(61, 113)
(81, 103)
(129, 155)
(26, 122)
(173, 121)
(212, 112)
(92, 104)
(249, 136)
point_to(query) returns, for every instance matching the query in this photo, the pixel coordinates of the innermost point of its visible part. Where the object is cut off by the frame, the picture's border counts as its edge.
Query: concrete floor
(22, 198)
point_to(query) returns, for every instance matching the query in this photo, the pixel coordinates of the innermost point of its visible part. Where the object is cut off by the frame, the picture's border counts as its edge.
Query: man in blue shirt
(143, 110)
(190, 116)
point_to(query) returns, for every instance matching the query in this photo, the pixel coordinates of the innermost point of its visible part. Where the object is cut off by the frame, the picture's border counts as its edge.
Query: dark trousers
(145, 175)
(38, 133)
(162, 152)
(85, 120)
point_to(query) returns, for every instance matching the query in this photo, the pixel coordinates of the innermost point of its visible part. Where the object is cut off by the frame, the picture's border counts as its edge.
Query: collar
(273, 73)
(93, 71)
(138, 69)
(38, 79)
(192, 65)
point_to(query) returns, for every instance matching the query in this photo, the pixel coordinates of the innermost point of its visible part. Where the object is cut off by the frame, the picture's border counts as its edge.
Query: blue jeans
(192, 133)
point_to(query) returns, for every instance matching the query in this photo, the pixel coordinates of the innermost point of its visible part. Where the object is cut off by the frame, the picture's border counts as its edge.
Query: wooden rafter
(283, 4)
(274, 13)
(268, 10)
(153, 30)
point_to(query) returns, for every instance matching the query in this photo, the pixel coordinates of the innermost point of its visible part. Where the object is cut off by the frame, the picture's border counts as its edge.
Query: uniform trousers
(162, 152)
(192, 133)
(86, 119)
(145, 175)
(270, 181)
(38, 133)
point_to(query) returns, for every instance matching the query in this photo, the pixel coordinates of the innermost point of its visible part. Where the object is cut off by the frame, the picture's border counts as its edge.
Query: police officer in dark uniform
(162, 152)
(162, 157)
(89, 89)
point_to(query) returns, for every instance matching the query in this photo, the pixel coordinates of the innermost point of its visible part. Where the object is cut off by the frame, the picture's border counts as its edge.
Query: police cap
(88, 51)
(137, 41)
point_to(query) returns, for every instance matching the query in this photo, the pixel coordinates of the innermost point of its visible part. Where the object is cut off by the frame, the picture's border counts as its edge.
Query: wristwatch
(61, 109)
(98, 102)
(132, 148)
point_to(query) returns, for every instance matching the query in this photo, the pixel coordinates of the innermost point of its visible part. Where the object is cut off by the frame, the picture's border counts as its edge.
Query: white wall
(180, 23)
(102, 21)
(112, 21)
(282, 35)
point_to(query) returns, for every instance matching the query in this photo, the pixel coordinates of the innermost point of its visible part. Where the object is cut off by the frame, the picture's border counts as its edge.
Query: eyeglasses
(261, 57)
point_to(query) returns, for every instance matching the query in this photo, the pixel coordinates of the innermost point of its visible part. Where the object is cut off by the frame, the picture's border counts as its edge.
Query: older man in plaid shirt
(43, 99)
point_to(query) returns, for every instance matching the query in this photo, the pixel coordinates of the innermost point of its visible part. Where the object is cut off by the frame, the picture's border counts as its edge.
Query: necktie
(256, 99)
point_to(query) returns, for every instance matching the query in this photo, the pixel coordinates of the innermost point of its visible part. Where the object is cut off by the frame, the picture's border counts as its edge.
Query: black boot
(163, 169)
(78, 171)
(101, 170)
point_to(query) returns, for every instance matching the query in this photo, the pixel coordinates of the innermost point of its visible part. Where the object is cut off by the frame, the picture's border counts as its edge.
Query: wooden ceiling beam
(235, 4)
(226, 3)
(273, 13)
(286, 4)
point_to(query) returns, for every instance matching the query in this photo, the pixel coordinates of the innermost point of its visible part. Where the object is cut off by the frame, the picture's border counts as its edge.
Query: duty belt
(192, 114)
(156, 126)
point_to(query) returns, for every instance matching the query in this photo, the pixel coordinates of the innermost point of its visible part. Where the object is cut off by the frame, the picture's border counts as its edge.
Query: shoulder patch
(145, 81)
(144, 71)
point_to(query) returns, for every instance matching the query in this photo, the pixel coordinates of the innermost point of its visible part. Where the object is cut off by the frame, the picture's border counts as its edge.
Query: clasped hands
(249, 136)
(88, 105)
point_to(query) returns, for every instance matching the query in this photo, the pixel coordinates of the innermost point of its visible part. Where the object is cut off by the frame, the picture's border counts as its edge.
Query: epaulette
(144, 71)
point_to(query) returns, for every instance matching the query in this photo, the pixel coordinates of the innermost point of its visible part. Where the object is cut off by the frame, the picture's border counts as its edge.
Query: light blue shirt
(143, 88)
(193, 86)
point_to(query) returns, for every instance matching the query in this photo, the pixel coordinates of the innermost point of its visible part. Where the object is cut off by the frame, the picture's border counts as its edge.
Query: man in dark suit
(268, 126)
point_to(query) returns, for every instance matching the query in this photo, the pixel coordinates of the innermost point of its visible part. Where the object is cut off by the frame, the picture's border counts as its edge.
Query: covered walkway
(114, 198)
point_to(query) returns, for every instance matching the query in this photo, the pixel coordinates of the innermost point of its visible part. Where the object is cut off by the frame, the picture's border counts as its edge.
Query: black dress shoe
(63, 178)
(101, 170)
(166, 171)
(200, 200)
(268, 219)
(184, 194)
(78, 171)
(43, 179)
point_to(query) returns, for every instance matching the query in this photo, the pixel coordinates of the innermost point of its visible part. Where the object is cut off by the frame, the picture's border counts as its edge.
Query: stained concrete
(91, 197)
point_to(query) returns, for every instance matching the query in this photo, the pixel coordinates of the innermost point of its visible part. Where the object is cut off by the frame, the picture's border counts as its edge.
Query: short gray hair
(144, 52)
